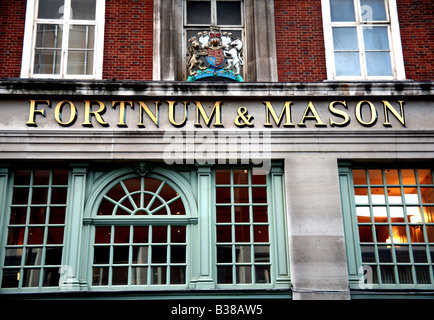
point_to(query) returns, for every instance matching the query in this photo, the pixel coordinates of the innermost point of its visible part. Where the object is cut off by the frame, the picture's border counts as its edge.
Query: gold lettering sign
(338, 112)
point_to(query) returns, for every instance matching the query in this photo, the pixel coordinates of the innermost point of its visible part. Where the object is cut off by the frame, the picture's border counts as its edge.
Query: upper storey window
(362, 40)
(63, 39)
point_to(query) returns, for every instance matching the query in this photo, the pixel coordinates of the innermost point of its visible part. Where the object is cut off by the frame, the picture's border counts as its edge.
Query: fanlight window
(142, 196)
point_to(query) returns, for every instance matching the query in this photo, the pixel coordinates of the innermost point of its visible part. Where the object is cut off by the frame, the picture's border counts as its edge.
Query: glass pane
(404, 273)
(57, 215)
(102, 234)
(260, 233)
(60, 177)
(159, 234)
(177, 234)
(342, 10)
(262, 253)
(408, 176)
(55, 235)
(48, 36)
(158, 275)
(198, 12)
(80, 62)
(83, 37)
(177, 254)
(224, 234)
(425, 176)
(223, 176)
(22, 177)
(37, 215)
(402, 253)
(35, 236)
(368, 253)
(376, 38)
(244, 274)
(373, 10)
(241, 195)
(20, 196)
(18, 216)
(260, 214)
(422, 275)
(243, 253)
(241, 176)
(16, 236)
(13, 257)
(53, 256)
(10, 278)
(177, 275)
(83, 9)
(382, 233)
(347, 64)
(223, 214)
(242, 233)
(101, 255)
(58, 195)
(120, 254)
(140, 255)
(345, 38)
(385, 253)
(259, 195)
(365, 234)
(394, 195)
(50, 9)
(224, 254)
(224, 274)
(242, 214)
(51, 277)
(223, 195)
(228, 13)
(375, 177)
(120, 276)
(159, 254)
(31, 277)
(122, 235)
(139, 276)
(47, 62)
(359, 177)
(392, 177)
(387, 274)
(100, 276)
(41, 177)
(262, 274)
(427, 195)
(39, 195)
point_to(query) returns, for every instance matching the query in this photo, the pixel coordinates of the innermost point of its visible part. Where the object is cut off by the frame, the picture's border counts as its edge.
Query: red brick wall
(416, 19)
(300, 40)
(128, 40)
(12, 18)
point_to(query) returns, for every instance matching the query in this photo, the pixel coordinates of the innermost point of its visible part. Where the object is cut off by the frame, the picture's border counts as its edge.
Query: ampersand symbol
(243, 119)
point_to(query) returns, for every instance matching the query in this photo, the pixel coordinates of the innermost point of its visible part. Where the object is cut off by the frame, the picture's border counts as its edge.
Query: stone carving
(214, 54)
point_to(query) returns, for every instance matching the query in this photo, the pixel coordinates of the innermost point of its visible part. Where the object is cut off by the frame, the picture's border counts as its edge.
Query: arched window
(140, 231)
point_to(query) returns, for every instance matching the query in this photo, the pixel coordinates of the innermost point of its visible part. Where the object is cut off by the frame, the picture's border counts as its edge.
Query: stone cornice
(165, 89)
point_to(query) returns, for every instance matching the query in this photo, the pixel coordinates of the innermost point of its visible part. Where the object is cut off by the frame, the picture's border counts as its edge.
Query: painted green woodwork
(196, 187)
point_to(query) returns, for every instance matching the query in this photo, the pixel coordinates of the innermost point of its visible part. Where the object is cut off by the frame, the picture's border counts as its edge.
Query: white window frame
(396, 55)
(30, 39)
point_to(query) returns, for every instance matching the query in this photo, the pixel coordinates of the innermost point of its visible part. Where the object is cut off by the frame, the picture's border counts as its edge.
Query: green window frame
(388, 216)
(126, 240)
(34, 233)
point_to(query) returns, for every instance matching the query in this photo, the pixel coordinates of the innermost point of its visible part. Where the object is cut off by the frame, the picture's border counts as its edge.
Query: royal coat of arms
(214, 54)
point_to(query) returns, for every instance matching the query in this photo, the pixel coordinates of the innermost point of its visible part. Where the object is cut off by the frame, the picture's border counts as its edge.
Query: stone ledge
(42, 87)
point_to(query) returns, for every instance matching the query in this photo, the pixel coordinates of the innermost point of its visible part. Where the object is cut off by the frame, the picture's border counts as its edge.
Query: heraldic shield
(214, 55)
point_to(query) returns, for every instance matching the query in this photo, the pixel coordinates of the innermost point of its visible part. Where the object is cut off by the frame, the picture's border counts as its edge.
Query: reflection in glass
(342, 11)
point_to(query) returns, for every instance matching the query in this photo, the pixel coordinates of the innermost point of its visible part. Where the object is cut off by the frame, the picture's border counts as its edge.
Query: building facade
(203, 149)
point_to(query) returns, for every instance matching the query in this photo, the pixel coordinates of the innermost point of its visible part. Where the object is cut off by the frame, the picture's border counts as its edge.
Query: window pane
(347, 64)
(342, 10)
(378, 64)
(228, 13)
(373, 10)
(376, 38)
(49, 36)
(82, 37)
(345, 39)
(50, 9)
(80, 62)
(198, 12)
(83, 9)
